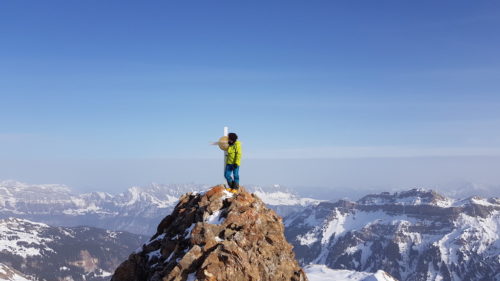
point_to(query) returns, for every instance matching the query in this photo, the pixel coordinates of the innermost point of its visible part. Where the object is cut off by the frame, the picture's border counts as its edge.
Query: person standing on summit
(233, 163)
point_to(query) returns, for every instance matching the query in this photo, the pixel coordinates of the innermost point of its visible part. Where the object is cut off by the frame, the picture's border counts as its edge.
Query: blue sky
(295, 79)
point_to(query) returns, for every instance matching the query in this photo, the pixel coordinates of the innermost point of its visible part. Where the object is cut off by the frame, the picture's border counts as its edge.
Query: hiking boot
(229, 187)
(234, 187)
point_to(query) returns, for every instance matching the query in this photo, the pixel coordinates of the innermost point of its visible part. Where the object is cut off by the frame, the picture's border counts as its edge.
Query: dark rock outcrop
(215, 236)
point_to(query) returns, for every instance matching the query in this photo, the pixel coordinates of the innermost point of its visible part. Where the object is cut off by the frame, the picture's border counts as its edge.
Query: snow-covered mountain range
(36, 251)
(413, 235)
(136, 210)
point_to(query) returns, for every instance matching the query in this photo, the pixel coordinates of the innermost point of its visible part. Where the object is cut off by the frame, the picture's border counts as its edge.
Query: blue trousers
(232, 168)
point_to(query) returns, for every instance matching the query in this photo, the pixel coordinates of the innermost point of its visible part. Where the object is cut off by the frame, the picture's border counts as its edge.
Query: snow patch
(227, 195)
(278, 198)
(10, 274)
(153, 254)
(191, 277)
(307, 239)
(187, 232)
(102, 273)
(215, 218)
(316, 272)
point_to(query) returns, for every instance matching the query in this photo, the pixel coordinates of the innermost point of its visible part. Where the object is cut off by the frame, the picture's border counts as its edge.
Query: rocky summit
(215, 235)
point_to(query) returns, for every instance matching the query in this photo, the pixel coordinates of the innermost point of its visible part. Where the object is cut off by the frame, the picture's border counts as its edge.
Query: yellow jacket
(234, 153)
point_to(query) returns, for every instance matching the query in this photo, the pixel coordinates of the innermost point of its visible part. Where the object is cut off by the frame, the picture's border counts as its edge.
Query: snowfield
(317, 272)
(23, 238)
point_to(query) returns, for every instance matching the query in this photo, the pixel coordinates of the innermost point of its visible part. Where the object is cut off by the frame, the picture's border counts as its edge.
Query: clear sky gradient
(295, 79)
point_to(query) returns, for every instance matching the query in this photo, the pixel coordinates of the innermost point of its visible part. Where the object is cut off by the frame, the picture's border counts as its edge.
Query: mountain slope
(52, 253)
(137, 210)
(215, 236)
(413, 235)
(316, 272)
(7, 273)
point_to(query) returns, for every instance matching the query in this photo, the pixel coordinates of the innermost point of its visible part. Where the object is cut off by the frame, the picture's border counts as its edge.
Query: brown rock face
(215, 236)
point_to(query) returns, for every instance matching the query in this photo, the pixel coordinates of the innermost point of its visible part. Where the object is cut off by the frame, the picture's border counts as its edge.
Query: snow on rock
(485, 202)
(9, 274)
(22, 237)
(227, 195)
(215, 218)
(102, 273)
(278, 196)
(316, 272)
(191, 277)
(187, 232)
(248, 244)
(154, 254)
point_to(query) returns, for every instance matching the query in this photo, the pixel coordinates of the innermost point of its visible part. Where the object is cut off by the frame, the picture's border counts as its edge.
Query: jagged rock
(215, 236)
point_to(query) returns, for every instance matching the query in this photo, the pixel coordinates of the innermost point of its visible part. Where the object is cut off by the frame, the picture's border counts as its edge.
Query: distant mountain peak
(137, 209)
(317, 272)
(18, 186)
(215, 235)
(415, 196)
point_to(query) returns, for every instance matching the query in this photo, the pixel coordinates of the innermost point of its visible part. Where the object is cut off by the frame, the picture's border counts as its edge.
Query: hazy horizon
(348, 178)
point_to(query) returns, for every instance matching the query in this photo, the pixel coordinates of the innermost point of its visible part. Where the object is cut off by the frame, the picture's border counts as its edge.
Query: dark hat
(232, 136)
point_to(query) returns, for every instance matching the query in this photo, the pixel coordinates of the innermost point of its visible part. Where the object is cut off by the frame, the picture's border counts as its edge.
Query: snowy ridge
(278, 195)
(281, 199)
(137, 210)
(477, 200)
(417, 196)
(316, 272)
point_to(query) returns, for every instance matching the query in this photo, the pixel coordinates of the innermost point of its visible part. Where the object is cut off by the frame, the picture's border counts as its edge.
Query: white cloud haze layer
(334, 178)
